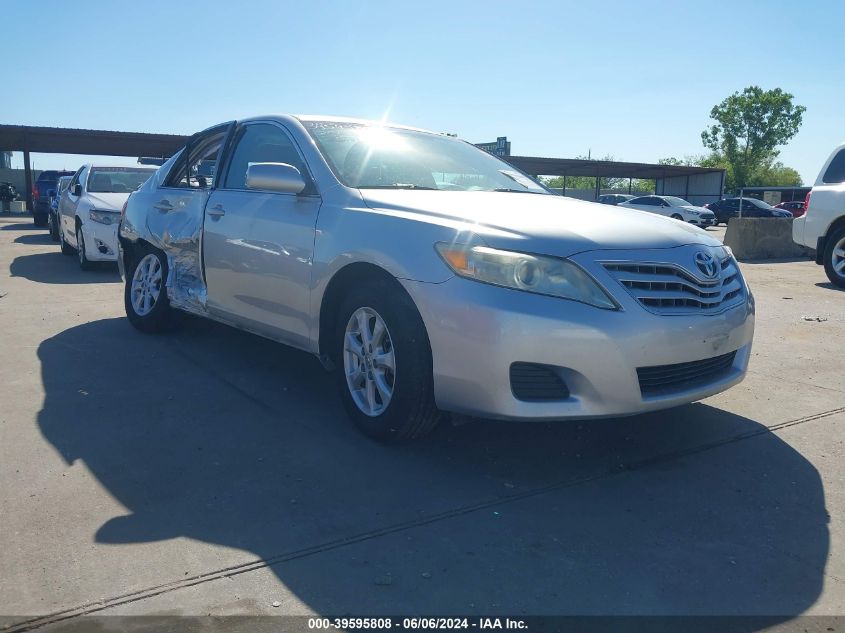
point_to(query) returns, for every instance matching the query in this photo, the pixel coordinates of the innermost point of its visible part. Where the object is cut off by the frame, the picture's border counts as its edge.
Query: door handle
(163, 205)
(217, 211)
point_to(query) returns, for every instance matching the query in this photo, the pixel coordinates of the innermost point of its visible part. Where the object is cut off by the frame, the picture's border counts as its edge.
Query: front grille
(670, 289)
(533, 383)
(662, 379)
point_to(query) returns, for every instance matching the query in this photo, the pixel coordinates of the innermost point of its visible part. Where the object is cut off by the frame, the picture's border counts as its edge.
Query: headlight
(104, 217)
(693, 212)
(532, 273)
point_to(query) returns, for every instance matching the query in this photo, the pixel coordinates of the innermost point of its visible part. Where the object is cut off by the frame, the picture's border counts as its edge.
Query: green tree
(749, 127)
(775, 174)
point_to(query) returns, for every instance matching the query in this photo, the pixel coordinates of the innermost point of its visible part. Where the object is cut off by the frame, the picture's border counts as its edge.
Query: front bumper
(477, 331)
(703, 221)
(100, 241)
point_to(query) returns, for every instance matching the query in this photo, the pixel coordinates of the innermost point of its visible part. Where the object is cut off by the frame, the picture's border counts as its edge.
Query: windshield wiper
(399, 185)
(505, 189)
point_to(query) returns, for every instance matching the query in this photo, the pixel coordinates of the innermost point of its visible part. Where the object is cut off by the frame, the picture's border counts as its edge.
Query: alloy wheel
(837, 259)
(146, 285)
(80, 246)
(369, 361)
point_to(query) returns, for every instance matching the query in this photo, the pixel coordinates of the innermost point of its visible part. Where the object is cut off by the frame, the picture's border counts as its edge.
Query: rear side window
(836, 170)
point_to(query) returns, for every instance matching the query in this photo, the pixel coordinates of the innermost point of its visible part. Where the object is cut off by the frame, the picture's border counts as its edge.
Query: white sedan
(672, 207)
(89, 210)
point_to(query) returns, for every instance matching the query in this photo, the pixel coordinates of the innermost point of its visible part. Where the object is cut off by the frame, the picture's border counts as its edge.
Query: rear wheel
(39, 219)
(385, 371)
(145, 295)
(834, 258)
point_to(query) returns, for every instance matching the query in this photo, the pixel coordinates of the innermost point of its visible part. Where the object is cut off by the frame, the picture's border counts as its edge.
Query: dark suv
(47, 180)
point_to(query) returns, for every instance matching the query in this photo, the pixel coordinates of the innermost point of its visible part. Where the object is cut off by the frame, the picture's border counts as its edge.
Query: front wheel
(84, 262)
(54, 229)
(677, 216)
(834, 258)
(385, 369)
(145, 296)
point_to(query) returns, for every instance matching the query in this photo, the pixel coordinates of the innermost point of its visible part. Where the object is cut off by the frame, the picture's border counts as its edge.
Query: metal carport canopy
(537, 166)
(55, 140)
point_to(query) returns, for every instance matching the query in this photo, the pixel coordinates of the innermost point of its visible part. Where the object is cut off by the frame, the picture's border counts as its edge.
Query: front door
(258, 245)
(176, 213)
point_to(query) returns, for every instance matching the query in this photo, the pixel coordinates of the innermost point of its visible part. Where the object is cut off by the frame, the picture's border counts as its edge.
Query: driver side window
(76, 179)
(198, 168)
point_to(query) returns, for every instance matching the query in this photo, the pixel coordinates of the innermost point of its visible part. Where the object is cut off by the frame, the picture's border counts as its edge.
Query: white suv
(822, 227)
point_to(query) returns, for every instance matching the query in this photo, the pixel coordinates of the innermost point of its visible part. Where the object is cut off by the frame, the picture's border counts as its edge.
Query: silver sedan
(432, 276)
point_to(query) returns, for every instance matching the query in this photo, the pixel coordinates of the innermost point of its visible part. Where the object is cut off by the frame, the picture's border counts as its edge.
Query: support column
(630, 183)
(27, 170)
(564, 185)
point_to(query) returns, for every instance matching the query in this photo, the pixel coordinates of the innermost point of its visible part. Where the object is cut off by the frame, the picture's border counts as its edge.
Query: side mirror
(279, 177)
(51, 193)
(77, 190)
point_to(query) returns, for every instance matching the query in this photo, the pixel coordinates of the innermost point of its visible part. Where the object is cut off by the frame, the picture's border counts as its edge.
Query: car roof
(342, 119)
(106, 166)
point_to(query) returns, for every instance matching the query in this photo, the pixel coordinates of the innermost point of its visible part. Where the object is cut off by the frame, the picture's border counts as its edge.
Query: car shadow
(30, 226)
(55, 268)
(829, 286)
(776, 260)
(215, 435)
(35, 239)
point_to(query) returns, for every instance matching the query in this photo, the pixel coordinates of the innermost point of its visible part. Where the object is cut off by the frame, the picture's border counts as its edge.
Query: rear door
(67, 206)
(258, 245)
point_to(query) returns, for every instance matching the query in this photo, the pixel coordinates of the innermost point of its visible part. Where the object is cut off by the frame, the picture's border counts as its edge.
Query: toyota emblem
(706, 263)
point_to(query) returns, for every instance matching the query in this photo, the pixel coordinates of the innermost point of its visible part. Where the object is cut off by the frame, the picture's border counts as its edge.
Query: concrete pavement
(211, 471)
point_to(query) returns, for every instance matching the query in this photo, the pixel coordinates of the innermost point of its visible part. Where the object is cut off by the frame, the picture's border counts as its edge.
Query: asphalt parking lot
(208, 471)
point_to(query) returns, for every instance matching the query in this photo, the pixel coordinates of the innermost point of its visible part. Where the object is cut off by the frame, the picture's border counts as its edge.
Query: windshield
(117, 179)
(375, 157)
(677, 202)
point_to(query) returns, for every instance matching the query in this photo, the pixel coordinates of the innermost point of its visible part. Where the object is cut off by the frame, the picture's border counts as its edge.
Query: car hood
(692, 207)
(107, 201)
(544, 224)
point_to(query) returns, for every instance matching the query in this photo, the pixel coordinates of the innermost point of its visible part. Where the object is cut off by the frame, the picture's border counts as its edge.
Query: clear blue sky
(632, 79)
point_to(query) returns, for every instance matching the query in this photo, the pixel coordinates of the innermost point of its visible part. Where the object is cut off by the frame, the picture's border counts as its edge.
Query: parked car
(728, 208)
(499, 300)
(796, 207)
(89, 210)
(673, 207)
(614, 198)
(8, 193)
(822, 227)
(45, 182)
(55, 195)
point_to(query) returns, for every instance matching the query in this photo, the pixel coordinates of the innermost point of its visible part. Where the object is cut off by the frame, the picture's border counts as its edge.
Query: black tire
(837, 279)
(39, 219)
(84, 262)
(161, 317)
(54, 229)
(67, 249)
(676, 216)
(411, 412)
